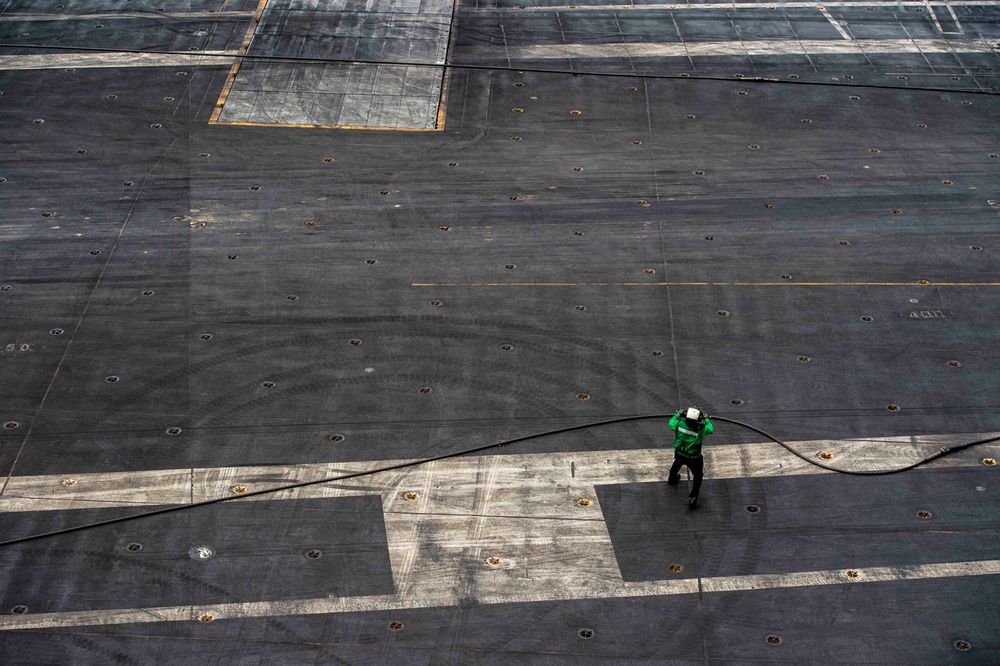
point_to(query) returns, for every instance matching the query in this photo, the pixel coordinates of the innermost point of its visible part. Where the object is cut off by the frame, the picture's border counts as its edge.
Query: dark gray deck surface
(755, 247)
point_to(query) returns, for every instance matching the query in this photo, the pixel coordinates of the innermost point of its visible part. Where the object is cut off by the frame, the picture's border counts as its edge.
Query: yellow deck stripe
(231, 79)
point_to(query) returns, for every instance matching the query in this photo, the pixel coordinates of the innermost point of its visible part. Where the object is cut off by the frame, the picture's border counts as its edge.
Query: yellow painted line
(245, 46)
(241, 123)
(443, 100)
(446, 75)
(705, 284)
(231, 79)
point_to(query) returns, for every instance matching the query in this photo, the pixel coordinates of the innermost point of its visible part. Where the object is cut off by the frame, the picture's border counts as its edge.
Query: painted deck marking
(244, 47)
(183, 486)
(442, 598)
(934, 18)
(215, 17)
(751, 47)
(116, 60)
(836, 24)
(521, 508)
(954, 17)
(383, 103)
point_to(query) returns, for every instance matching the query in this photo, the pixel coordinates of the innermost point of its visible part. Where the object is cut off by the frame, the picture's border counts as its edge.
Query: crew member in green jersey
(690, 429)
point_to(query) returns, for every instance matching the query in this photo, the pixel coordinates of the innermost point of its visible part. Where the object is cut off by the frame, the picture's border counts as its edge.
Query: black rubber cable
(413, 463)
(503, 68)
(944, 450)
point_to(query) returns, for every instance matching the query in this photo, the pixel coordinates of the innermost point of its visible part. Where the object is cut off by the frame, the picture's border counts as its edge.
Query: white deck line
(158, 16)
(747, 47)
(934, 18)
(114, 60)
(442, 597)
(522, 508)
(954, 16)
(543, 52)
(839, 28)
(61, 492)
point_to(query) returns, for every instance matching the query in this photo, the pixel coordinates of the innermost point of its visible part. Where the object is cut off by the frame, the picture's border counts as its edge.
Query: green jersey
(687, 441)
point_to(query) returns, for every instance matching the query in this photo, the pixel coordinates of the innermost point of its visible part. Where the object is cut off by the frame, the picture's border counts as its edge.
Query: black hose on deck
(944, 450)
(413, 463)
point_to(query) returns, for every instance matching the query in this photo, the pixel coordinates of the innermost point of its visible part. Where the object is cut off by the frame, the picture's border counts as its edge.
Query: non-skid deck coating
(363, 95)
(196, 305)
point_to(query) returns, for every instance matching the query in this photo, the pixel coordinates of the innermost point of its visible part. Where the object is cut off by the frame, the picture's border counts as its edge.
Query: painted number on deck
(17, 347)
(927, 314)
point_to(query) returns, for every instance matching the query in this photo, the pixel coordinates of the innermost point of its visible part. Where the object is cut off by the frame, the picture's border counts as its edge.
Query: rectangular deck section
(353, 81)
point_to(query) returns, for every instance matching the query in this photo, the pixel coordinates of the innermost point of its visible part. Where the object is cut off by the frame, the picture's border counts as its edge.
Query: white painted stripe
(441, 597)
(541, 475)
(834, 23)
(839, 576)
(742, 48)
(155, 16)
(539, 52)
(954, 16)
(99, 60)
(934, 18)
(522, 508)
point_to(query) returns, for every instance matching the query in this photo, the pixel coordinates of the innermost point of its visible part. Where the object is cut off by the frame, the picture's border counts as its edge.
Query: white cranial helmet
(693, 413)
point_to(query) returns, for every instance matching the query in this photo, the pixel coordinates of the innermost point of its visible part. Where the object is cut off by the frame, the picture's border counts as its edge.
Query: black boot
(692, 502)
(673, 480)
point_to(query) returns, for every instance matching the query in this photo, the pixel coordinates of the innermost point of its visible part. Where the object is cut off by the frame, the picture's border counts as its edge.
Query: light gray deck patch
(377, 96)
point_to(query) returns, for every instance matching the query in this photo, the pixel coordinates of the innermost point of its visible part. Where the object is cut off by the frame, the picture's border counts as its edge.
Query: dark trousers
(697, 467)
